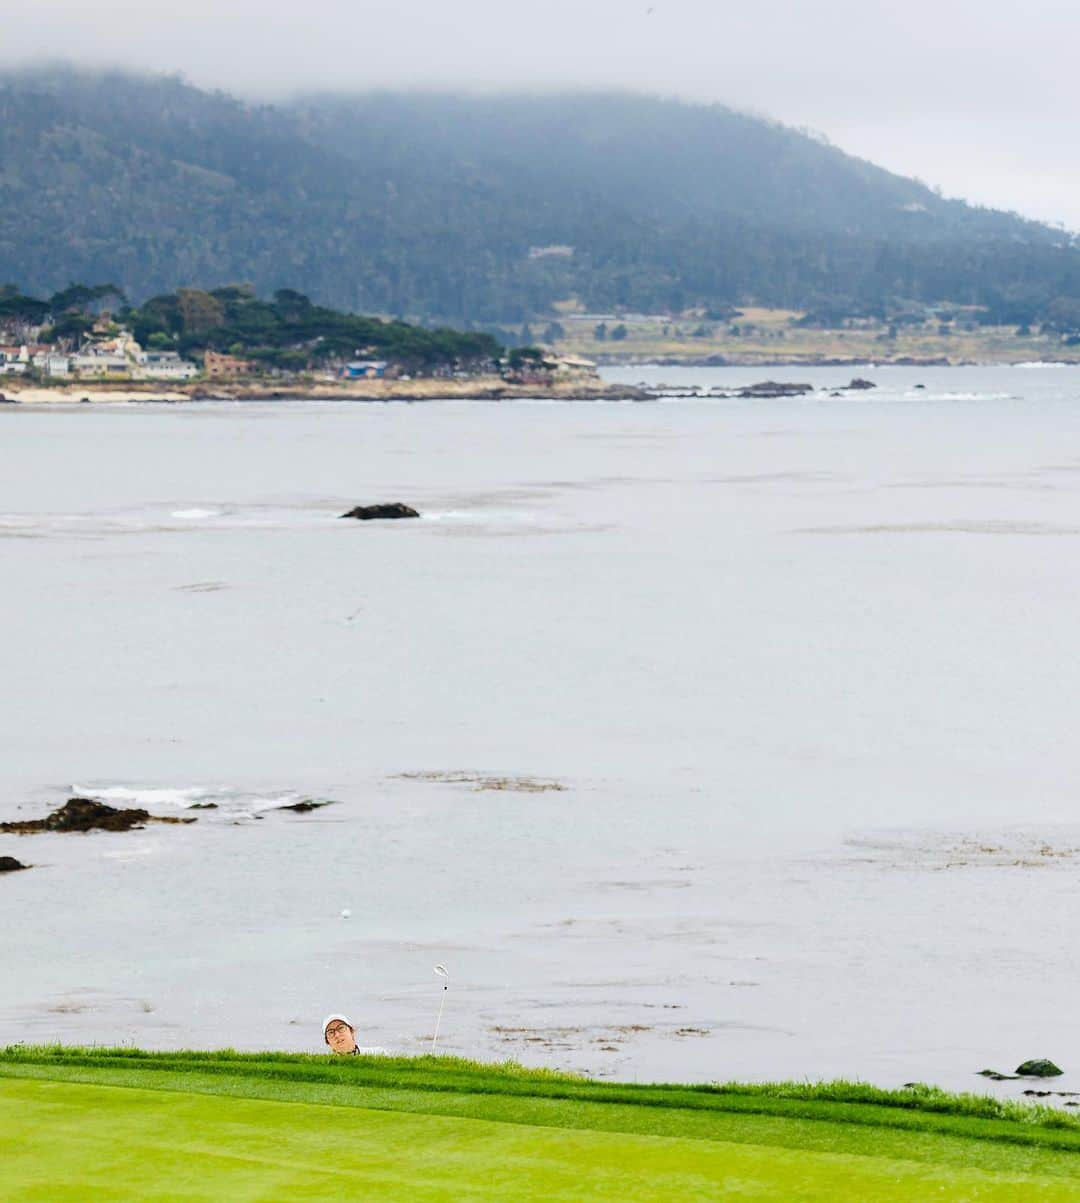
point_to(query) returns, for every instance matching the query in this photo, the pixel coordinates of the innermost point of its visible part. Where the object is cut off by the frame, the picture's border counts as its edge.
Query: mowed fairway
(64, 1139)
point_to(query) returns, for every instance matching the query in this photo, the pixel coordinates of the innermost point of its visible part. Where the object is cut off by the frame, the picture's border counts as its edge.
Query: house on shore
(100, 363)
(573, 365)
(365, 369)
(53, 363)
(14, 360)
(164, 365)
(218, 366)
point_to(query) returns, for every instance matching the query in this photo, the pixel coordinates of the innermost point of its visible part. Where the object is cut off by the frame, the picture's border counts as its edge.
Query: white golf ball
(346, 913)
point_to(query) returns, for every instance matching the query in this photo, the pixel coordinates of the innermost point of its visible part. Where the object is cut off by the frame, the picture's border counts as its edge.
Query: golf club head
(442, 971)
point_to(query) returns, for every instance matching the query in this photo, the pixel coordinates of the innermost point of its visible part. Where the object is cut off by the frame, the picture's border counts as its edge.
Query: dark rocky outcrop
(86, 814)
(1039, 1068)
(393, 509)
(302, 808)
(775, 388)
(859, 384)
(8, 864)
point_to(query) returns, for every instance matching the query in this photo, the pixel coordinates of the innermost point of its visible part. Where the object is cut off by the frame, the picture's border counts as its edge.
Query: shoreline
(481, 388)
(795, 361)
(484, 388)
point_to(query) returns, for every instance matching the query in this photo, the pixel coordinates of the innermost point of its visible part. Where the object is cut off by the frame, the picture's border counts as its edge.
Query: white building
(90, 364)
(14, 360)
(571, 364)
(165, 365)
(54, 365)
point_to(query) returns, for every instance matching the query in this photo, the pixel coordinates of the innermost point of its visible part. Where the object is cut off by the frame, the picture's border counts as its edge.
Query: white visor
(333, 1019)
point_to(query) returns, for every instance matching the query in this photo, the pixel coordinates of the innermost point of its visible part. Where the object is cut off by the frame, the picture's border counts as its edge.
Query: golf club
(443, 972)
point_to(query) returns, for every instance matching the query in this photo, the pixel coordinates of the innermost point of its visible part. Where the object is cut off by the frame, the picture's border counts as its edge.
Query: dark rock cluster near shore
(8, 864)
(774, 388)
(85, 814)
(395, 509)
(1038, 1068)
(765, 390)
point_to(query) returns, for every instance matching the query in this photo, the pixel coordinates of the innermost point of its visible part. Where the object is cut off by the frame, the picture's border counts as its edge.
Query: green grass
(121, 1124)
(768, 337)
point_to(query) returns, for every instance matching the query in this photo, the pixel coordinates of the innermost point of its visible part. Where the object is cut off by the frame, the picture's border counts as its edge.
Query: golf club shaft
(438, 1020)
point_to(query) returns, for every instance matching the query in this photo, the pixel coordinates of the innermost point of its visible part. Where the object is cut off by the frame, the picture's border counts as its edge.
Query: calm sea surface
(805, 673)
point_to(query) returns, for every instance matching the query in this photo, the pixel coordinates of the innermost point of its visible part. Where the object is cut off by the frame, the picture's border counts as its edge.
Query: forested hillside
(487, 209)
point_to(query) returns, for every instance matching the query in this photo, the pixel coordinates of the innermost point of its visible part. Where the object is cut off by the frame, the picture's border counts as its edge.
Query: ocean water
(700, 739)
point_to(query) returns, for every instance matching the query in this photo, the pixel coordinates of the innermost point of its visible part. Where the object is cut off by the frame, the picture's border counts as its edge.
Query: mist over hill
(487, 209)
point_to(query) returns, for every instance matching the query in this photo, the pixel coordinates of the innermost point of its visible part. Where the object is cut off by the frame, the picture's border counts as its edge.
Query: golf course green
(124, 1125)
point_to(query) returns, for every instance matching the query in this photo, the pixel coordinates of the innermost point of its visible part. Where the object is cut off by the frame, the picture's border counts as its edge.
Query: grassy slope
(313, 1128)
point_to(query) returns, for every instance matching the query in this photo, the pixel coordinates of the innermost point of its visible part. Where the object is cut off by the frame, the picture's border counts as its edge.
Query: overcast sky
(979, 97)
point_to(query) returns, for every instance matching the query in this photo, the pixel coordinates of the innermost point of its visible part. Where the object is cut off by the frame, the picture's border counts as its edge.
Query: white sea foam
(223, 797)
(182, 797)
(163, 519)
(481, 516)
(935, 396)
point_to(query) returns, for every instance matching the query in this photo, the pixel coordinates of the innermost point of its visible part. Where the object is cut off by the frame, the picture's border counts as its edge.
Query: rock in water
(304, 807)
(860, 383)
(767, 389)
(85, 814)
(1039, 1069)
(8, 864)
(394, 509)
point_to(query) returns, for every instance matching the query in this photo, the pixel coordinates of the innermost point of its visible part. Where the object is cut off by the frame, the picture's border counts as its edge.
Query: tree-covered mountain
(486, 209)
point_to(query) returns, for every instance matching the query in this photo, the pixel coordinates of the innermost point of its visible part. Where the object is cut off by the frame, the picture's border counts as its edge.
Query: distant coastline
(790, 361)
(473, 388)
(851, 361)
(763, 338)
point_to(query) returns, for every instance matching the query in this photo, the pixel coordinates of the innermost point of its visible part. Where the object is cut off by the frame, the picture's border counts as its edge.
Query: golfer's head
(339, 1034)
